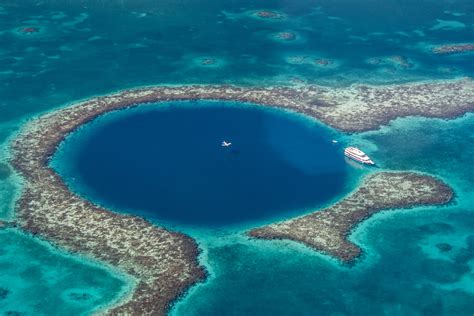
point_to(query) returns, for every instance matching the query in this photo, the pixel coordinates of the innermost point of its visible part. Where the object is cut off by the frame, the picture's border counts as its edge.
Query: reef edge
(327, 230)
(164, 262)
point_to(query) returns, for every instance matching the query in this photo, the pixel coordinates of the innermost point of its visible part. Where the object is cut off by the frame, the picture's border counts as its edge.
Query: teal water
(166, 162)
(404, 274)
(419, 262)
(92, 47)
(37, 280)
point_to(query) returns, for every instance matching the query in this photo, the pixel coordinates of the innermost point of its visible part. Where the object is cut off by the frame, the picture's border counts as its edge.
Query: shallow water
(404, 274)
(37, 280)
(418, 262)
(90, 47)
(167, 162)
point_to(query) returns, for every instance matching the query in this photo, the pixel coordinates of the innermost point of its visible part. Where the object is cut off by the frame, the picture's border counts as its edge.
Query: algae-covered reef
(327, 230)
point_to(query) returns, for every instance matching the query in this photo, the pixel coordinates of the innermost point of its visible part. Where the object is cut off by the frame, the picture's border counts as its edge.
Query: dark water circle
(167, 162)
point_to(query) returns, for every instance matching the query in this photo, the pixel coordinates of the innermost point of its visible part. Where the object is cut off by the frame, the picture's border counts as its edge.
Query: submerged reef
(29, 30)
(453, 49)
(327, 230)
(3, 293)
(208, 61)
(401, 61)
(4, 224)
(5, 171)
(286, 36)
(164, 263)
(444, 247)
(267, 14)
(323, 62)
(394, 60)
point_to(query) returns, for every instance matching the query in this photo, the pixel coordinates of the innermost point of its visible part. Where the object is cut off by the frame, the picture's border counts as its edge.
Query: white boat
(226, 144)
(358, 155)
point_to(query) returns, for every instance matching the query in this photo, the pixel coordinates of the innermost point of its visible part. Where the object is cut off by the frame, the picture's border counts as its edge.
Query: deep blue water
(167, 162)
(91, 47)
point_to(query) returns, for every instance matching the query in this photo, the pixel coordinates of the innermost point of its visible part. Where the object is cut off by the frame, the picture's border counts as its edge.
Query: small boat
(226, 144)
(358, 155)
(334, 141)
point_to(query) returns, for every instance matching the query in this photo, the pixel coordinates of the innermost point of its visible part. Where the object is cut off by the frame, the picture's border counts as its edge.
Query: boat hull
(358, 155)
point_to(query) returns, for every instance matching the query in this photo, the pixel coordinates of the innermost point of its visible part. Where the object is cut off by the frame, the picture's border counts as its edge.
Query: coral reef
(164, 263)
(327, 230)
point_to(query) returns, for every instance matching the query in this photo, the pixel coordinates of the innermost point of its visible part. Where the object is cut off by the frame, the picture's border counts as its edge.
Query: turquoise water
(404, 274)
(419, 262)
(166, 162)
(91, 47)
(37, 280)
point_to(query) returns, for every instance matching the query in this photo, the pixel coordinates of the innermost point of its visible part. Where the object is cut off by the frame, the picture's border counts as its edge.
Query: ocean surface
(167, 162)
(36, 279)
(417, 262)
